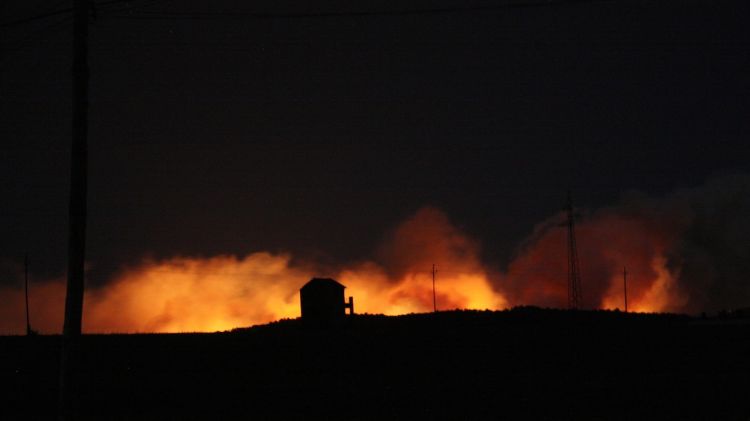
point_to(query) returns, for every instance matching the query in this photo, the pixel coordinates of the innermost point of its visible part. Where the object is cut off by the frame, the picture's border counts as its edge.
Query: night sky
(217, 131)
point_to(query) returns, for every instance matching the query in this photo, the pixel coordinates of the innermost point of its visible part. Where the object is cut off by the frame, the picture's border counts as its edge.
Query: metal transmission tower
(434, 298)
(574, 271)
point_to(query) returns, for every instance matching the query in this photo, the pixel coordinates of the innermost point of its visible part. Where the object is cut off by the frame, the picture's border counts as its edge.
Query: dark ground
(521, 364)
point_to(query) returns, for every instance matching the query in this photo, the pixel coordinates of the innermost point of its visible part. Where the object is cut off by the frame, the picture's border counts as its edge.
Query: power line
(68, 10)
(35, 17)
(44, 32)
(350, 13)
(313, 14)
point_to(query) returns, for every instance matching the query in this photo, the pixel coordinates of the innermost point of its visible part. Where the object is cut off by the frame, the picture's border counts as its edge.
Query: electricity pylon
(574, 271)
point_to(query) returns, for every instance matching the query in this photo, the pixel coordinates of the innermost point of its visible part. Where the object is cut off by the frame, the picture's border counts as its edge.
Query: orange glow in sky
(188, 294)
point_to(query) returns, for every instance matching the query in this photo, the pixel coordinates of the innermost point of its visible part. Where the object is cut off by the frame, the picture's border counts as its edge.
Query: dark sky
(215, 131)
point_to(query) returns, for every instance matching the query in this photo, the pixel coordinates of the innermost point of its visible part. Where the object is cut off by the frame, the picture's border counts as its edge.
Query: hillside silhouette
(525, 363)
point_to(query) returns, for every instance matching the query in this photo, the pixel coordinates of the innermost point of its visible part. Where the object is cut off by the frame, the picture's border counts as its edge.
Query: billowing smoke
(194, 294)
(208, 294)
(609, 240)
(687, 252)
(47, 301)
(399, 280)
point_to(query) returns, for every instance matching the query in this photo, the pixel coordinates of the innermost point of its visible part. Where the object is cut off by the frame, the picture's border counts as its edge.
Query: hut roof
(322, 283)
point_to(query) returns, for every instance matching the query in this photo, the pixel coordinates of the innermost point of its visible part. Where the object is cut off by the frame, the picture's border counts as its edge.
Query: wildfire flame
(223, 292)
(651, 237)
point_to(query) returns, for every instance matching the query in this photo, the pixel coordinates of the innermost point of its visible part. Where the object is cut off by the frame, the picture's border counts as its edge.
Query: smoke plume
(686, 252)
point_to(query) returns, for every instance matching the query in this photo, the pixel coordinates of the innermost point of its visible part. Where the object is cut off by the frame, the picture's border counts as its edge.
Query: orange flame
(223, 292)
(193, 294)
(608, 241)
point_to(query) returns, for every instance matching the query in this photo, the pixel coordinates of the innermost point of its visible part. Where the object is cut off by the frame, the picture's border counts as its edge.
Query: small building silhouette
(322, 300)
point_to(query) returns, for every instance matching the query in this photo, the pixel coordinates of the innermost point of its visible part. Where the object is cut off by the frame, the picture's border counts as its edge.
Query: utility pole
(434, 298)
(70, 354)
(625, 286)
(574, 276)
(26, 292)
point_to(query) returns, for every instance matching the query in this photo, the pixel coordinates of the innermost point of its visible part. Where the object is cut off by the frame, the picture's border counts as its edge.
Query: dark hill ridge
(522, 364)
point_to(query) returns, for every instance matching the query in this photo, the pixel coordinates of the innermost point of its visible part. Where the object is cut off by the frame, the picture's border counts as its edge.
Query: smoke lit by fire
(683, 253)
(223, 292)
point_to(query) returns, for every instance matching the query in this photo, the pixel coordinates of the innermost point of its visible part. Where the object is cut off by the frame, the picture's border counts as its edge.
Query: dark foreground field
(521, 364)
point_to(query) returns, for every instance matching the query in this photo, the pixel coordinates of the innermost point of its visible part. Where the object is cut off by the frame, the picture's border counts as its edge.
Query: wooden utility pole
(26, 292)
(76, 215)
(625, 286)
(434, 297)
